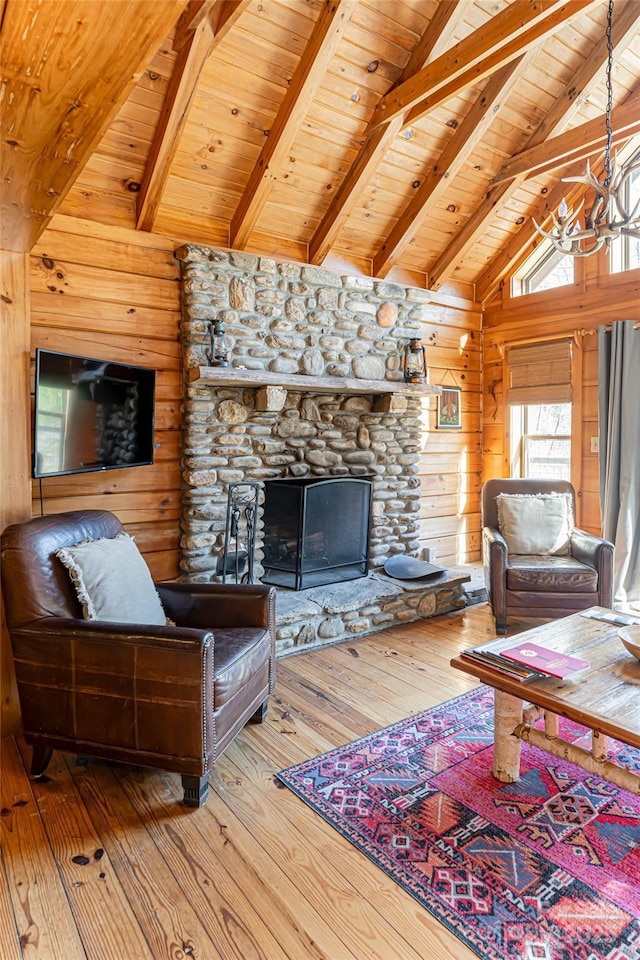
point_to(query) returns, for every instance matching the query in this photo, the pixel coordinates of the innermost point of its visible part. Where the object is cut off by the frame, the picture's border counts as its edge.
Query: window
(539, 399)
(624, 253)
(546, 269)
(541, 441)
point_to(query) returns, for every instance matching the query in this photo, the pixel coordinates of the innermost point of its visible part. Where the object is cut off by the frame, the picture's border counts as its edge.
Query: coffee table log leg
(506, 747)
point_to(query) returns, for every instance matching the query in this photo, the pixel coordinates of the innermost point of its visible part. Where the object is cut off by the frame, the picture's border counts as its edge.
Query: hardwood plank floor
(103, 862)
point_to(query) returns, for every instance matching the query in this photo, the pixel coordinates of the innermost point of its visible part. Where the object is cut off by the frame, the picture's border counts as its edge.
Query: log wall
(596, 297)
(114, 294)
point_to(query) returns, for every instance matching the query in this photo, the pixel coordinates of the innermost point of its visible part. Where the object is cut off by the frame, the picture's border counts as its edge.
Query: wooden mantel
(237, 377)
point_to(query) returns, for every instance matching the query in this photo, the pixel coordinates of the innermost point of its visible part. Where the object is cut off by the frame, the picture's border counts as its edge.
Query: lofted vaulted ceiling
(407, 137)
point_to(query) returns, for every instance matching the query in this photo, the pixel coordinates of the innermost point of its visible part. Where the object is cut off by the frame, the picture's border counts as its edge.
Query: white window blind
(540, 373)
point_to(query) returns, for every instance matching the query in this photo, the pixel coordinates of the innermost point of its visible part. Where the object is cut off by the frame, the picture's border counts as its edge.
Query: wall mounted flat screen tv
(91, 415)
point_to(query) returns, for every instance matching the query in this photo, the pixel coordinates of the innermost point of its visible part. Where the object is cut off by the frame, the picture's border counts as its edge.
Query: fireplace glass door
(316, 531)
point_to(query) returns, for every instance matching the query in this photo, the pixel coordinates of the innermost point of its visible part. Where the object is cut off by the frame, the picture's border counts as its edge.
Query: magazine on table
(493, 660)
(546, 661)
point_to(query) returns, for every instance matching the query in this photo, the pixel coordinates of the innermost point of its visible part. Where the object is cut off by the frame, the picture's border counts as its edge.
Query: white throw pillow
(113, 581)
(539, 523)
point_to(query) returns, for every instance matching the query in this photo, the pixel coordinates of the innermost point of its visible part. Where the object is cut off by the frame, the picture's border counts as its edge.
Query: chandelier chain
(613, 211)
(607, 149)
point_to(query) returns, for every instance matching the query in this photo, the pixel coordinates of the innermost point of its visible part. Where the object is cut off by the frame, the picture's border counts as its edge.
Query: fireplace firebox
(316, 530)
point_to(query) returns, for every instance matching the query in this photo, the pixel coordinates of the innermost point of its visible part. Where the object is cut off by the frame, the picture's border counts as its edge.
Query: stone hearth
(339, 611)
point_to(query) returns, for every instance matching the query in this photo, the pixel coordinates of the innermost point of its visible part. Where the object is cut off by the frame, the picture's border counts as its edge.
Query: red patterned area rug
(547, 868)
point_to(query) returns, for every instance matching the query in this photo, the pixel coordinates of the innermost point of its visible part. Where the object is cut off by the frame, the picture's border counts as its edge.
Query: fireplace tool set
(239, 533)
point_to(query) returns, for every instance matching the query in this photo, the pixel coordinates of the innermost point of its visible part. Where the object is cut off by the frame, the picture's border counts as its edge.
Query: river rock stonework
(289, 319)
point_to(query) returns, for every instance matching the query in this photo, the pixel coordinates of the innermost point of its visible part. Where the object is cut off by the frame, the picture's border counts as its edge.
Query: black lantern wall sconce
(415, 362)
(217, 352)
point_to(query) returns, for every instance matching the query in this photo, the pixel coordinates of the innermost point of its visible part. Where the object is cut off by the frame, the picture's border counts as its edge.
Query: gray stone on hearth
(292, 606)
(306, 636)
(352, 594)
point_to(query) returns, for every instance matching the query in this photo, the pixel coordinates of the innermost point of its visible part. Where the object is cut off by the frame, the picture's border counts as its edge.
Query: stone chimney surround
(315, 387)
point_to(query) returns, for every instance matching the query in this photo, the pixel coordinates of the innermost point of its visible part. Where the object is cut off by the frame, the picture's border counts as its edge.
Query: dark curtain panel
(619, 429)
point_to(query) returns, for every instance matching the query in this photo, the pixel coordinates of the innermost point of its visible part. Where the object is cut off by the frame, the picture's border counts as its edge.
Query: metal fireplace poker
(239, 533)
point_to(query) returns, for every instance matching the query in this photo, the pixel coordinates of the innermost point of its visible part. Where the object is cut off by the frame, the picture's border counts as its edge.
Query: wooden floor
(103, 861)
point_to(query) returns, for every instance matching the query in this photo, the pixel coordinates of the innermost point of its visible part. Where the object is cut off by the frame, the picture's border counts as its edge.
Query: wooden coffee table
(605, 698)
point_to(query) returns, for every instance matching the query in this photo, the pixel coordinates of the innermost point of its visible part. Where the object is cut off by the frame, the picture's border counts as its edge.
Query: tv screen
(91, 415)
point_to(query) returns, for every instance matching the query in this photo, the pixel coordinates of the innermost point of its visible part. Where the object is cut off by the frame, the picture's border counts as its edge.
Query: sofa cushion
(112, 581)
(536, 523)
(550, 574)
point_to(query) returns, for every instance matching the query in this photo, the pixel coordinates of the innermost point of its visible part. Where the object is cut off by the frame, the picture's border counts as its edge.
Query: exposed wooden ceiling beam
(436, 38)
(451, 161)
(575, 144)
(67, 67)
(327, 33)
(192, 16)
(563, 109)
(187, 69)
(225, 15)
(502, 39)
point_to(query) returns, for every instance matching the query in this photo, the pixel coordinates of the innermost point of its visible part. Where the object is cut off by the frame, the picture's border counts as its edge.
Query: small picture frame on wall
(449, 409)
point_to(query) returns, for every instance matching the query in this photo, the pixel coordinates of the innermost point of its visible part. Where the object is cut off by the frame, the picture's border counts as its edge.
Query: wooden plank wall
(112, 293)
(596, 297)
(14, 440)
(450, 468)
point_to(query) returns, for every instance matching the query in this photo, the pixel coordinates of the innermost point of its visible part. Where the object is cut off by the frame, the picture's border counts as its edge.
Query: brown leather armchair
(540, 585)
(171, 697)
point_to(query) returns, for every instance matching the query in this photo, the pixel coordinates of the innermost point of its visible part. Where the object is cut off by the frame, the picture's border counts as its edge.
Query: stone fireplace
(315, 389)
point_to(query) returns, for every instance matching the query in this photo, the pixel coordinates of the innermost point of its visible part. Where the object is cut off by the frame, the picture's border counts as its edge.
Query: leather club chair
(170, 697)
(542, 586)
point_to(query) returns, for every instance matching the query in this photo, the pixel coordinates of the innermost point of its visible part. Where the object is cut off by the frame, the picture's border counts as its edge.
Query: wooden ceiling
(407, 138)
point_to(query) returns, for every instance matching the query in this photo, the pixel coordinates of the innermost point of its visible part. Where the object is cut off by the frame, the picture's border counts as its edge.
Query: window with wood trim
(546, 269)
(624, 253)
(539, 399)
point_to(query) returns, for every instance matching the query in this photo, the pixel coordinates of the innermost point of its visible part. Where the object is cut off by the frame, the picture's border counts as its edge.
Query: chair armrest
(211, 605)
(589, 549)
(495, 556)
(597, 553)
(495, 546)
(183, 639)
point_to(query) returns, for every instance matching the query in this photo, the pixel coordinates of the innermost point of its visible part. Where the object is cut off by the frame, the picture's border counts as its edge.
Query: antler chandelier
(610, 215)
